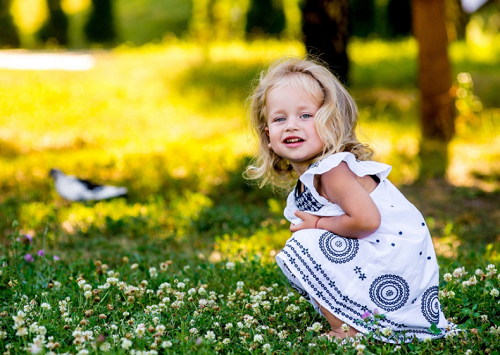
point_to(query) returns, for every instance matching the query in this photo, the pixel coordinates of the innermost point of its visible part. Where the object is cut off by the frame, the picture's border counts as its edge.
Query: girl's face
(290, 126)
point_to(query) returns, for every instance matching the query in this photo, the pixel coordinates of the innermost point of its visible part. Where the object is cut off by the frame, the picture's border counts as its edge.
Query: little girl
(359, 246)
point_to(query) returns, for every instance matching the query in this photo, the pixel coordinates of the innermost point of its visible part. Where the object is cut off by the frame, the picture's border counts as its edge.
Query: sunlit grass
(168, 121)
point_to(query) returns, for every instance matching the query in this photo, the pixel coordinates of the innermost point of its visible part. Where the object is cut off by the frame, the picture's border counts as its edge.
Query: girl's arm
(341, 186)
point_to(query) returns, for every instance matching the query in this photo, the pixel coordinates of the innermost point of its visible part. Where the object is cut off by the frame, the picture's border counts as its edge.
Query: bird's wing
(90, 185)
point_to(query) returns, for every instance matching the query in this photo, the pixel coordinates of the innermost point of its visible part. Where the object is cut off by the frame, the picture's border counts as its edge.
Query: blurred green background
(161, 110)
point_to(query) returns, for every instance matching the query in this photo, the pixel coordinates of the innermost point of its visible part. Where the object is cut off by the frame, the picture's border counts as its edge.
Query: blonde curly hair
(335, 120)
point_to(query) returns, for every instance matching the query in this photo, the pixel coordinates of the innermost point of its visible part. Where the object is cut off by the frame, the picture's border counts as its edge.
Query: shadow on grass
(219, 83)
(465, 221)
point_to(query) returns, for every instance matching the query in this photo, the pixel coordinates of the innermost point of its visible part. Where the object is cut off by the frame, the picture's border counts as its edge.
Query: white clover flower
(451, 294)
(239, 325)
(282, 335)
(447, 277)
(83, 352)
(229, 325)
(210, 335)
(112, 280)
(230, 265)
(181, 285)
(495, 330)
(166, 344)
(459, 272)
(21, 332)
(140, 330)
(203, 302)
(494, 292)
(490, 267)
(396, 348)
(160, 328)
(191, 291)
(345, 328)
(126, 344)
(193, 331)
(240, 284)
(57, 285)
(87, 287)
(465, 284)
(312, 345)
(186, 268)
(360, 348)
(289, 344)
(226, 341)
(126, 314)
(387, 332)
(153, 272)
(317, 327)
(484, 318)
(473, 280)
(258, 338)
(468, 352)
(133, 267)
(105, 347)
(202, 291)
(81, 283)
(427, 339)
(88, 294)
(41, 330)
(266, 347)
(45, 306)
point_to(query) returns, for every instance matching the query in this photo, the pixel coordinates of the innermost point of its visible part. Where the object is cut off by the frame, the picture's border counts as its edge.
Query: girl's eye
(305, 115)
(279, 119)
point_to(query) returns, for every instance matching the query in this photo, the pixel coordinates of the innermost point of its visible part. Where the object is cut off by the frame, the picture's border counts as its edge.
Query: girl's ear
(267, 130)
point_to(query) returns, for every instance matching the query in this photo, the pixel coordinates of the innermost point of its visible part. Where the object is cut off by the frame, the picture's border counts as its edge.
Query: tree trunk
(8, 31)
(100, 26)
(437, 110)
(324, 24)
(56, 27)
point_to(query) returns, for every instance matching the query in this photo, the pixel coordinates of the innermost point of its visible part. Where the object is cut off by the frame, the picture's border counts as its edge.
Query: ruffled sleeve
(360, 168)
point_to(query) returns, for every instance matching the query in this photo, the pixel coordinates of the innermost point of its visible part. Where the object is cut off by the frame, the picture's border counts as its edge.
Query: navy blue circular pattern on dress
(338, 249)
(389, 292)
(299, 289)
(430, 305)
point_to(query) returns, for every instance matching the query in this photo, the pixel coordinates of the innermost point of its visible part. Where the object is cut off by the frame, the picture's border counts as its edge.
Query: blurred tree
(399, 18)
(56, 26)
(8, 31)
(361, 18)
(265, 17)
(437, 110)
(324, 24)
(456, 19)
(218, 19)
(100, 25)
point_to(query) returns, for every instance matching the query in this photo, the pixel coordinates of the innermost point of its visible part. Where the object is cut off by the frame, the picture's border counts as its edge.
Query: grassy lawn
(160, 271)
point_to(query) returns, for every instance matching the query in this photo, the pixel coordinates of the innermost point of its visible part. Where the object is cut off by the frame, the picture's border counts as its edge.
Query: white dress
(394, 270)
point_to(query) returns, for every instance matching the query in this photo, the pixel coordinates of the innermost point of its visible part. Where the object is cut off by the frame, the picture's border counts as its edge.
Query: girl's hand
(308, 221)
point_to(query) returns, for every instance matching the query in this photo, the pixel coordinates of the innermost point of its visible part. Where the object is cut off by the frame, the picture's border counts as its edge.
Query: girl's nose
(291, 125)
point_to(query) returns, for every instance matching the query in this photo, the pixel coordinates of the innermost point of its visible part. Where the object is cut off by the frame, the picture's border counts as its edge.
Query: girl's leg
(336, 325)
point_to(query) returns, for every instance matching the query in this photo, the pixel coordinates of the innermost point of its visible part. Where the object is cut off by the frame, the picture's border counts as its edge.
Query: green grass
(168, 122)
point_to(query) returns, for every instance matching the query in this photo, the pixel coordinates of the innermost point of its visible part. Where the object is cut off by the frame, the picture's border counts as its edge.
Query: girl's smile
(290, 125)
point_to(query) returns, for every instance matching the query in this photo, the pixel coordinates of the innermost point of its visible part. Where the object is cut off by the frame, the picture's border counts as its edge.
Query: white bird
(75, 189)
